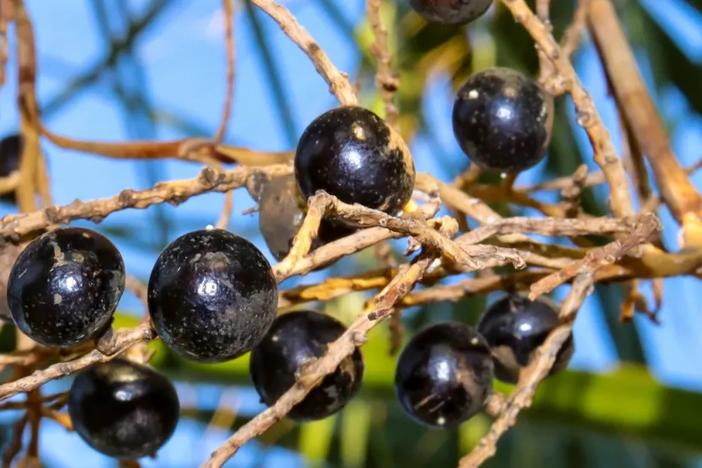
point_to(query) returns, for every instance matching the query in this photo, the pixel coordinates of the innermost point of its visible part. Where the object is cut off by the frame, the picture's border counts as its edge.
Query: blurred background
(155, 69)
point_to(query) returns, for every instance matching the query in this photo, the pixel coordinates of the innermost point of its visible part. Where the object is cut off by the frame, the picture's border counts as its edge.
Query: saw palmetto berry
(212, 295)
(514, 327)
(122, 409)
(293, 340)
(503, 120)
(65, 286)
(444, 375)
(353, 154)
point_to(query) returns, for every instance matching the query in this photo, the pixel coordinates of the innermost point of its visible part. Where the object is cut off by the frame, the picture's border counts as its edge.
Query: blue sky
(184, 69)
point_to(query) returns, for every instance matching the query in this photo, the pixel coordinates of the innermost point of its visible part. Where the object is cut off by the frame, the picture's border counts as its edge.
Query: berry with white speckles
(294, 339)
(503, 120)
(212, 295)
(123, 409)
(65, 286)
(444, 375)
(450, 11)
(353, 154)
(514, 327)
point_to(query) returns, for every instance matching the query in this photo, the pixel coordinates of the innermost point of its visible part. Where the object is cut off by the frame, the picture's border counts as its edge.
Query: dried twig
(646, 227)
(176, 191)
(109, 347)
(386, 81)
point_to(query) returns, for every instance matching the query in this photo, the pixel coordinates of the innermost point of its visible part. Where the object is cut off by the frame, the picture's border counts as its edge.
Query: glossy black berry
(212, 295)
(503, 120)
(450, 11)
(444, 375)
(513, 328)
(123, 409)
(64, 287)
(293, 340)
(10, 153)
(352, 154)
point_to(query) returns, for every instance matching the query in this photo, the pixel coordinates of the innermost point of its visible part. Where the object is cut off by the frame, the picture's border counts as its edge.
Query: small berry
(352, 154)
(293, 340)
(513, 328)
(10, 154)
(281, 212)
(503, 120)
(450, 11)
(123, 409)
(65, 286)
(212, 295)
(444, 375)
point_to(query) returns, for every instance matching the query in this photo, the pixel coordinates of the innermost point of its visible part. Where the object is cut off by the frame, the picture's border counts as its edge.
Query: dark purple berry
(444, 375)
(352, 154)
(10, 154)
(123, 409)
(450, 11)
(65, 286)
(212, 295)
(293, 340)
(503, 120)
(513, 328)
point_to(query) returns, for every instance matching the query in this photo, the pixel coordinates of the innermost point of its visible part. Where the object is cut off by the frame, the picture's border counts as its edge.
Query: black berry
(10, 153)
(123, 409)
(513, 328)
(294, 339)
(64, 287)
(352, 154)
(450, 11)
(212, 295)
(444, 375)
(503, 120)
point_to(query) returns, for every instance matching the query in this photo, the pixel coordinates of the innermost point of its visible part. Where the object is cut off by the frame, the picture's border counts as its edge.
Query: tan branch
(338, 82)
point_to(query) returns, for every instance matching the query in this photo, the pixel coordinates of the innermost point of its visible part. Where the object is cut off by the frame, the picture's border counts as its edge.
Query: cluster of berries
(212, 295)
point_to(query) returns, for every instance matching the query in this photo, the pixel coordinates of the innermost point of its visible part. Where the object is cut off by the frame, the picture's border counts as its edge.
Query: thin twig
(338, 82)
(385, 79)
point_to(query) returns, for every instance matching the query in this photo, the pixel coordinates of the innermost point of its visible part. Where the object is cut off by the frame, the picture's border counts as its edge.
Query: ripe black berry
(352, 154)
(444, 375)
(123, 409)
(10, 153)
(503, 120)
(514, 327)
(212, 295)
(450, 11)
(64, 287)
(294, 339)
